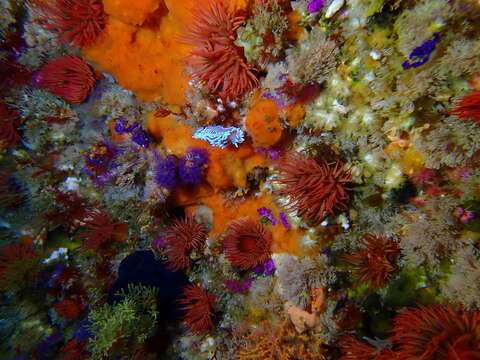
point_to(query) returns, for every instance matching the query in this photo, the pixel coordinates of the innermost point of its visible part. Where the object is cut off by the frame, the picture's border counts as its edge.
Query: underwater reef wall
(240, 180)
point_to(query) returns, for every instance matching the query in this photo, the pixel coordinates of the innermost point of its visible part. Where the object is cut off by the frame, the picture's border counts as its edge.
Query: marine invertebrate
(166, 172)
(215, 59)
(247, 243)
(468, 107)
(316, 5)
(18, 266)
(78, 22)
(12, 73)
(9, 123)
(421, 54)
(354, 349)
(69, 209)
(139, 136)
(192, 166)
(100, 157)
(220, 136)
(99, 230)
(437, 332)
(314, 62)
(182, 237)
(68, 309)
(67, 76)
(375, 263)
(199, 308)
(263, 123)
(315, 190)
(11, 195)
(267, 213)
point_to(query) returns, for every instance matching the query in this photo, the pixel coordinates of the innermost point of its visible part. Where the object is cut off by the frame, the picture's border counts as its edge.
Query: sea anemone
(76, 21)
(353, 349)
(375, 263)
(68, 309)
(247, 243)
(215, 59)
(315, 190)
(438, 332)
(9, 123)
(182, 237)
(18, 266)
(199, 308)
(67, 76)
(100, 230)
(468, 107)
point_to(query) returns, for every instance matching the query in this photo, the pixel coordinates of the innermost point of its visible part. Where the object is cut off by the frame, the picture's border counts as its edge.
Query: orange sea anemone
(437, 333)
(215, 59)
(199, 307)
(76, 21)
(183, 236)
(247, 243)
(315, 190)
(375, 263)
(67, 76)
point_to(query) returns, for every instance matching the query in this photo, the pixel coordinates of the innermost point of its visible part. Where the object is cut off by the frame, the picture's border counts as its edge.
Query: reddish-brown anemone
(9, 123)
(78, 22)
(67, 76)
(375, 263)
(468, 107)
(247, 243)
(353, 349)
(314, 190)
(182, 237)
(199, 308)
(437, 333)
(215, 59)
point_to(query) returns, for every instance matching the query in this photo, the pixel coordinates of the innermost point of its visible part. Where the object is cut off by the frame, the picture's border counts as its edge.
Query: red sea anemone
(353, 349)
(215, 59)
(183, 236)
(468, 107)
(315, 190)
(437, 333)
(199, 307)
(247, 243)
(9, 123)
(375, 263)
(18, 266)
(68, 309)
(67, 76)
(76, 21)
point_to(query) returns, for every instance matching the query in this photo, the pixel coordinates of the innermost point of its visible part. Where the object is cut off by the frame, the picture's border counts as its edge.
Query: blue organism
(192, 165)
(315, 5)
(421, 54)
(166, 172)
(139, 136)
(220, 136)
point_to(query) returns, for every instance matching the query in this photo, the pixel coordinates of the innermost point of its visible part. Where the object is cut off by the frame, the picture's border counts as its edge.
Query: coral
(297, 277)
(437, 332)
(215, 59)
(468, 107)
(191, 167)
(9, 123)
(121, 328)
(99, 230)
(219, 135)
(69, 209)
(430, 232)
(247, 243)
(281, 342)
(314, 190)
(314, 60)
(264, 36)
(67, 76)
(76, 21)
(375, 263)
(182, 237)
(199, 306)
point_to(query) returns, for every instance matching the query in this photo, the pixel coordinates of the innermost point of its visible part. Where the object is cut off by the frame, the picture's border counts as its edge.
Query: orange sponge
(263, 123)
